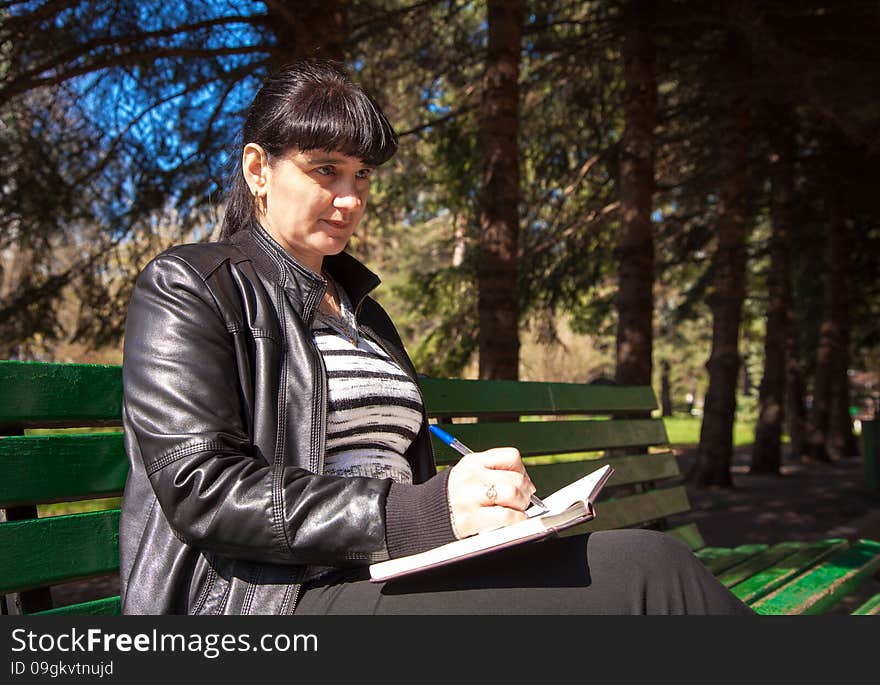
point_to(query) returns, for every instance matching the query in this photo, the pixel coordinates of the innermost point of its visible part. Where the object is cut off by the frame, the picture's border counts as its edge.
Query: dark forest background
(673, 192)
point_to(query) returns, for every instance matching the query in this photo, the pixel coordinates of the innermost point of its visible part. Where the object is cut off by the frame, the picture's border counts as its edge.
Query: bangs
(337, 119)
(310, 104)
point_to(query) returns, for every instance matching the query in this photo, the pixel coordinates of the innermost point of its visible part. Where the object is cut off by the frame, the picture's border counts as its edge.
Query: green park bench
(564, 430)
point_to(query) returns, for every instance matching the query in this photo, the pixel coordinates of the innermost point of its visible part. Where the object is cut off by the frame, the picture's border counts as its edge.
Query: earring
(259, 202)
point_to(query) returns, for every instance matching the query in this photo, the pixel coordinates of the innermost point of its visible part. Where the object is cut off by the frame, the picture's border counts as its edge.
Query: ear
(255, 166)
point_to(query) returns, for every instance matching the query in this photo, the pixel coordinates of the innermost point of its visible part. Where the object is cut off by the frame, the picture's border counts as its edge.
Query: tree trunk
(715, 451)
(499, 214)
(744, 372)
(795, 388)
(841, 440)
(307, 28)
(767, 451)
(635, 246)
(820, 409)
(665, 389)
(826, 436)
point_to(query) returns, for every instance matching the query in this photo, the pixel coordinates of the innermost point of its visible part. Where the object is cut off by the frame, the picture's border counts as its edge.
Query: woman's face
(311, 202)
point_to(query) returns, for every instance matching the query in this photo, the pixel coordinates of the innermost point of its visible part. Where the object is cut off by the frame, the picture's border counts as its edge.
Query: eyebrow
(332, 160)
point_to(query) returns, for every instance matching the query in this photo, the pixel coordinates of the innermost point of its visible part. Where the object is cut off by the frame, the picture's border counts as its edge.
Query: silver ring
(491, 493)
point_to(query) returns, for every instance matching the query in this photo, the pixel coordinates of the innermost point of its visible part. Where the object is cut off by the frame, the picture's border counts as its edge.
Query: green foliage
(111, 122)
(120, 145)
(570, 128)
(431, 295)
(446, 299)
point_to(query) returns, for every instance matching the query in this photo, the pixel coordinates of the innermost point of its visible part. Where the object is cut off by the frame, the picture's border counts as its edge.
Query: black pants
(609, 572)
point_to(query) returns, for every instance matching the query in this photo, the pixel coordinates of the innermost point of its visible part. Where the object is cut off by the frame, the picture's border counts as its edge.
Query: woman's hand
(488, 490)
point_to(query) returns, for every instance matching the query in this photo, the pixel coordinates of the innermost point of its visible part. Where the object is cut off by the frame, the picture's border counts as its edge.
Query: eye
(326, 170)
(364, 173)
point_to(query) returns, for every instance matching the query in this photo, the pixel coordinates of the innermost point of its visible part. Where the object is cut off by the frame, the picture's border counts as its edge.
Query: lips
(338, 225)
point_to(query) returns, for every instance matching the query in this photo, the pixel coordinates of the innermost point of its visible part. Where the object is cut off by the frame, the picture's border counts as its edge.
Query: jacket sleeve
(184, 420)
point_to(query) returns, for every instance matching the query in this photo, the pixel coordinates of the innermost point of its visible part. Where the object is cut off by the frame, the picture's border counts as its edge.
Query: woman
(277, 438)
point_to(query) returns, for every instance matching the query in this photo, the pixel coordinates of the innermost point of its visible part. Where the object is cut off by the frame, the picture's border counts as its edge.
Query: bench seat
(61, 443)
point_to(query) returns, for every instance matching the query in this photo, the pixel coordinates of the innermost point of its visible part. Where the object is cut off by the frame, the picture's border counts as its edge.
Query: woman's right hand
(488, 490)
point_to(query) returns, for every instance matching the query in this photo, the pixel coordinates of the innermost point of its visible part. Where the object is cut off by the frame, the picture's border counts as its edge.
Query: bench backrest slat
(459, 397)
(553, 437)
(36, 393)
(108, 606)
(628, 470)
(58, 549)
(634, 510)
(37, 469)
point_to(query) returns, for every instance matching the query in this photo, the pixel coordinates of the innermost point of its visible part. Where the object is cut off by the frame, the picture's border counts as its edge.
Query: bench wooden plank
(634, 510)
(628, 469)
(759, 562)
(549, 437)
(820, 588)
(459, 397)
(719, 559)
(108, 606)
(47, 551)
(39, 393)
(689, 534)
(869, 608)
(767, 580)
(37, 469)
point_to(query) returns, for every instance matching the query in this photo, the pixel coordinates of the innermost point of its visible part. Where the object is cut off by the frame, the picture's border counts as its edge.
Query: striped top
(375, 409)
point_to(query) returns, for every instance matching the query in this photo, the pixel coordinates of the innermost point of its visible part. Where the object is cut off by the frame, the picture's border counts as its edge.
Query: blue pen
(461, 448)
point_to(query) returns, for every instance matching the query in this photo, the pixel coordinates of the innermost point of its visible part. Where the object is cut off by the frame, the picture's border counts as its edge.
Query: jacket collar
(303, 286)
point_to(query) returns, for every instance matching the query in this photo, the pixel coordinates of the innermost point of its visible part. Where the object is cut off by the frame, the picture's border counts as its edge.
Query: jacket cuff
(417, 516)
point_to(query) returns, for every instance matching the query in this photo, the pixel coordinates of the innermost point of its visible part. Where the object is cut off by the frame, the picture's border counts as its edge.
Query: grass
(81, 507)
(685, 430)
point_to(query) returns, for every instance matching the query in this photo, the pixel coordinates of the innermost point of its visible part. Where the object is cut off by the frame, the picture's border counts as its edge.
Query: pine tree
(715, 450)
(635, 246)
(767, 453)
(499, 215)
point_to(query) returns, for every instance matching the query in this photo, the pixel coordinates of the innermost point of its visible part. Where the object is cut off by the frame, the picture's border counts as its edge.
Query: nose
(347, 201)
(348, 196)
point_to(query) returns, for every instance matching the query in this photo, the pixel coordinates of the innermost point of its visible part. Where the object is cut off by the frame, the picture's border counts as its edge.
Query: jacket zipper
(323, 393)
(321, 368)
(297, 588)
(316, 461)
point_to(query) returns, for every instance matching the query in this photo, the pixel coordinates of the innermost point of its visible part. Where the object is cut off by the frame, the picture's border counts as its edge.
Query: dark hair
(310, 104)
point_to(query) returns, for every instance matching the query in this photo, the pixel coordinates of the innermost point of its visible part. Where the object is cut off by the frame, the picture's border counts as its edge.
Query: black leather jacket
(224, 411)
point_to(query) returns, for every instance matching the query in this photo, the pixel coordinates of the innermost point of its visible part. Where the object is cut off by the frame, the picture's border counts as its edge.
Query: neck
(313, 262)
